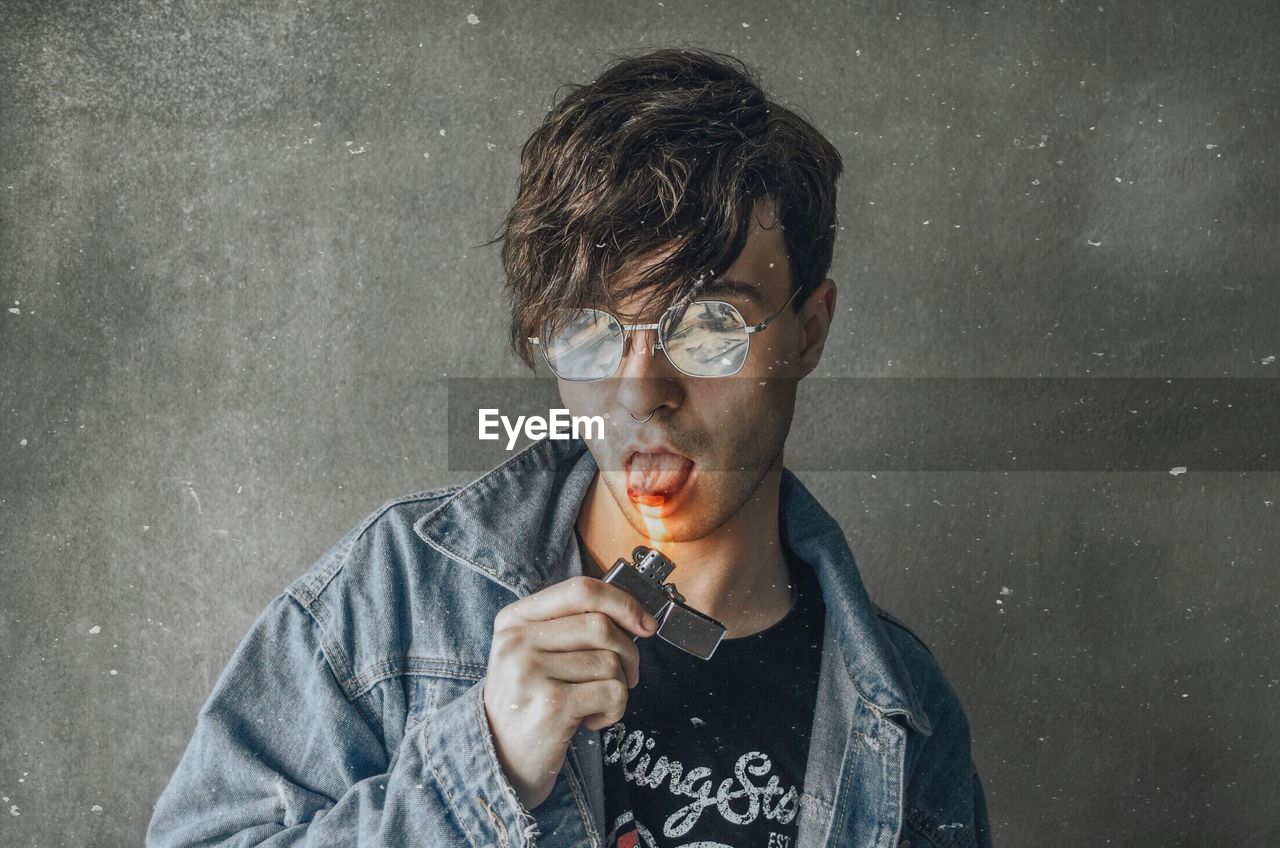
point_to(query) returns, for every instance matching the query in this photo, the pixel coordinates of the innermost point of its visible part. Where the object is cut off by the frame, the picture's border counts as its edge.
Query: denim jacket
(351, 714)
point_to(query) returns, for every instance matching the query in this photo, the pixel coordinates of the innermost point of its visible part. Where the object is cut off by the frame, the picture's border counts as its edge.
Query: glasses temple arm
(755, 328)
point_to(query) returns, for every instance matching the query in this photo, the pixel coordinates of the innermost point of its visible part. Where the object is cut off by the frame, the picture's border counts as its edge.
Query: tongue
(652, 478)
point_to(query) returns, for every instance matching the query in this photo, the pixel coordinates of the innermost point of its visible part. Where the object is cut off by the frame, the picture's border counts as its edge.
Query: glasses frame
(660, 341)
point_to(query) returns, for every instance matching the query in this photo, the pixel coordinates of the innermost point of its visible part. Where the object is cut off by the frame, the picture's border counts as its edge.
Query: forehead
(760, 275)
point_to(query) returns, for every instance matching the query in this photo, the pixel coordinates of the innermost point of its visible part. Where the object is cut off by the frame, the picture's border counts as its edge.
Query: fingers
(557, 640)
(585, 666)
(579, 595)
(602, 701)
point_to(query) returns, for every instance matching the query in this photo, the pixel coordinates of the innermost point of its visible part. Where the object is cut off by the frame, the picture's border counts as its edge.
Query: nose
(647, 380)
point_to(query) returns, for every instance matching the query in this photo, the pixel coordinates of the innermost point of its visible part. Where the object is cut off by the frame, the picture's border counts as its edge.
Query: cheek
(738, 404)
(761, 414)
(582, 398)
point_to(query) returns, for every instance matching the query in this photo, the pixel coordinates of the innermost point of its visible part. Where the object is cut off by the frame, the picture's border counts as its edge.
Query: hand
(558, 657)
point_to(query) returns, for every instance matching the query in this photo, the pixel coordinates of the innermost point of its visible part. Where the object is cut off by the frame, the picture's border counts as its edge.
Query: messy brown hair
(667, 150)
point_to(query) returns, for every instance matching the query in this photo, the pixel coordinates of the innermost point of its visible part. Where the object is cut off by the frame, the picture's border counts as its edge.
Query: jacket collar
(515, 522)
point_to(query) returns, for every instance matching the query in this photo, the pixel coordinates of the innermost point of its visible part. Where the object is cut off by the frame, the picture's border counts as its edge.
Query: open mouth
(656, 478)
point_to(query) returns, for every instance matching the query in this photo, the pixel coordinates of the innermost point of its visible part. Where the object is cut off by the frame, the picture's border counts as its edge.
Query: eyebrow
(728, 286)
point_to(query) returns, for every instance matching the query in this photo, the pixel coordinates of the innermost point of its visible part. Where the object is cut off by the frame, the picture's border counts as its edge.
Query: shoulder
(899, 631)
(388, 604)
(393, 519)
(927, 676)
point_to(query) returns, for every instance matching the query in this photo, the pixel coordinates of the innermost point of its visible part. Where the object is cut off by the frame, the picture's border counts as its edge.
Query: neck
(738, 574)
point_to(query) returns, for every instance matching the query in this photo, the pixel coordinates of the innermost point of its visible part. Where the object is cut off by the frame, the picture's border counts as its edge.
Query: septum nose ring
(641, 420)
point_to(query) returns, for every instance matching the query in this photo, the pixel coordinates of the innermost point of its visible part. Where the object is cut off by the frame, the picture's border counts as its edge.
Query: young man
(456, 672)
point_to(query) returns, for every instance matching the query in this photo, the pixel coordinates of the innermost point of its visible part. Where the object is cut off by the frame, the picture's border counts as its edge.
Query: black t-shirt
(713, 752)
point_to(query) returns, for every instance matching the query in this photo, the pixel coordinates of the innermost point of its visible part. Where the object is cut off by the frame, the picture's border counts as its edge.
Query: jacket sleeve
(945, 804)
(981, 823)
(280, 756)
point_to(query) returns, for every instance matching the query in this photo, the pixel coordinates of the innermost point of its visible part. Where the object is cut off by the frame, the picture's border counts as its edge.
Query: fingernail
(650, 623)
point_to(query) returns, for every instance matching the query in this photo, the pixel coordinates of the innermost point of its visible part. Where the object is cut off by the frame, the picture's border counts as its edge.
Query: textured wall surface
(237, 270)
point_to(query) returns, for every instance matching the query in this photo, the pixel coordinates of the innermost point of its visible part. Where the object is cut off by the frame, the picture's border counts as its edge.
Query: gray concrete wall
(236, 273)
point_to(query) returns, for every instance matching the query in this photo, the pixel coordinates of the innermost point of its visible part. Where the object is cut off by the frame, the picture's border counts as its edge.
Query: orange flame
(656, 528)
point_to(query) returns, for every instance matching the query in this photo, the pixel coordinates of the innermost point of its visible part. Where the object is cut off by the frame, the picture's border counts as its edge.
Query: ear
(815, 322)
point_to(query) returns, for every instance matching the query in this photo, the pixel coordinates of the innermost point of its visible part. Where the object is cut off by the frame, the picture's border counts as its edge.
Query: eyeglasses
(702, 338)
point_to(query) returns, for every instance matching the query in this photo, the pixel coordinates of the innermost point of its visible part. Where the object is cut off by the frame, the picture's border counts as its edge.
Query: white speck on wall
(23, 443)
(441, 132)
(472, 19)
(1005, 590)
(1266, 360)
(192, 491)
(745, 25)
(95, 630)
(1181, 469)
(1093, 243)
(13, 810)
(15, 310)
(1210, 146)
(696, 722)
(114, 672)
(96, 808)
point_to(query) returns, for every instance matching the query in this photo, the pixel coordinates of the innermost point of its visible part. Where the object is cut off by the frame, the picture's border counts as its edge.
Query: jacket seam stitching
(420, 525)
(444, 790)
(579, 798)
(913, 698)
(900, 739)
(415, 666)
(322, 580)
(841, 809)
(892, 619)
(526, 824)
(339, 665)
(524, 453)
(496, 822)
(484, 569)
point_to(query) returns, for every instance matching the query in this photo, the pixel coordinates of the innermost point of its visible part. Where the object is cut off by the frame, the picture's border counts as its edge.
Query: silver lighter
(681, 625)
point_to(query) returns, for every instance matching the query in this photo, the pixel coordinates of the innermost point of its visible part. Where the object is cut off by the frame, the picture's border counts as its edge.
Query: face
(708, 441)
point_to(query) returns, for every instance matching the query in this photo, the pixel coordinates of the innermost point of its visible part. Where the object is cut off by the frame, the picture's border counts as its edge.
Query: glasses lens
(588, 347)
(707, 339)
